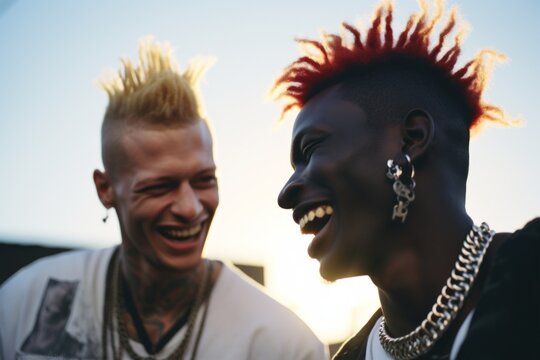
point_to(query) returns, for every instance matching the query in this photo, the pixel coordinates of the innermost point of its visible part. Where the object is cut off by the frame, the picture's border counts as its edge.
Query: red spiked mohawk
(334, 57)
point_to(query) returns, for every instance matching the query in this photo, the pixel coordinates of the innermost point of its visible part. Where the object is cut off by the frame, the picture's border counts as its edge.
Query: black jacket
(506, 322)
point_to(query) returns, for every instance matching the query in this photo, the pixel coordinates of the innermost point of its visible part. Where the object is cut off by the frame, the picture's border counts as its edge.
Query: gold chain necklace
(449, 302)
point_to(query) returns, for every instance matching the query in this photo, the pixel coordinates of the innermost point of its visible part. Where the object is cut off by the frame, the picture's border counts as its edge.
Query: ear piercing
(104, 219)
(403, 186)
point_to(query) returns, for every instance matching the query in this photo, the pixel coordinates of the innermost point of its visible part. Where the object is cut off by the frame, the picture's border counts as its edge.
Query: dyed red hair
(327, 61)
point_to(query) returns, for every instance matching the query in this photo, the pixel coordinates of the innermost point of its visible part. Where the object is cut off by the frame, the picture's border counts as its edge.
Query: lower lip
(316, 247)
(185, 245)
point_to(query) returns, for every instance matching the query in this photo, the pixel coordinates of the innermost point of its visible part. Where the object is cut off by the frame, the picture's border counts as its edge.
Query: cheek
(210, 199)
(322, 168)
(142, 211)
(362, 188)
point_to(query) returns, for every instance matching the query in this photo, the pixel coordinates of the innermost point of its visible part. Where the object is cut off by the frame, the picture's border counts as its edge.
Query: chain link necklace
(116, 298)
(449, 302)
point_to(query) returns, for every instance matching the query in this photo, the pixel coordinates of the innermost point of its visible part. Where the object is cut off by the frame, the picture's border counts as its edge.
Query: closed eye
(309, 149)
(204, 182)
(157, 189)
(305, 142)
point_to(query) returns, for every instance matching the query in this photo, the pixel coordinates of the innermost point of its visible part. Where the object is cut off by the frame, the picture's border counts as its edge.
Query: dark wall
(15, 256)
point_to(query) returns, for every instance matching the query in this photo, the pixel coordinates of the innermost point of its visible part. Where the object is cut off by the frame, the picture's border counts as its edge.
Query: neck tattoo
(115, 328)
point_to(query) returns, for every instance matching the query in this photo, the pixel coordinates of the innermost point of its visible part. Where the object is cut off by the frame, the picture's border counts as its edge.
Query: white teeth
(319, 212)
(185, 233)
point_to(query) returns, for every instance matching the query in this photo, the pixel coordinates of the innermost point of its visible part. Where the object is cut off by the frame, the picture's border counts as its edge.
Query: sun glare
(334, 311)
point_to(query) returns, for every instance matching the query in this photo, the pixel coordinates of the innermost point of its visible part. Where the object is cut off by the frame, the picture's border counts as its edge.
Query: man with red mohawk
(380, 152)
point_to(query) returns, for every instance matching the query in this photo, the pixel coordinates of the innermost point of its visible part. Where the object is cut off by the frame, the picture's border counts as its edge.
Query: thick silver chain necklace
(449, 302)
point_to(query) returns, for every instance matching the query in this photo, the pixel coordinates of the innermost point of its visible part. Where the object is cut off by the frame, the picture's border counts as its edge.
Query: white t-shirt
(63, 295)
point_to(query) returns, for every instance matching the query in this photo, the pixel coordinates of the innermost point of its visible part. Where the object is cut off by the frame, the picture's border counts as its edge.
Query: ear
(103, 188)
(417, 132)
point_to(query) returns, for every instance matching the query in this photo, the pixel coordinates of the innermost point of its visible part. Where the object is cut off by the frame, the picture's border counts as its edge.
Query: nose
(288, 196)
(186, 203)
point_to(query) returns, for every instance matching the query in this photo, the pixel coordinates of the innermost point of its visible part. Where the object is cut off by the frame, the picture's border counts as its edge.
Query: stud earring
(403, 186)
(106, 216)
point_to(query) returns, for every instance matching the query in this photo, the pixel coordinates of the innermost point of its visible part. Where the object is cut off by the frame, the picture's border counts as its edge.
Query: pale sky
(53, 52)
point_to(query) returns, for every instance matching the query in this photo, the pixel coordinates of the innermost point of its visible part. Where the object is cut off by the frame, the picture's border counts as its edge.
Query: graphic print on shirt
(49, 336)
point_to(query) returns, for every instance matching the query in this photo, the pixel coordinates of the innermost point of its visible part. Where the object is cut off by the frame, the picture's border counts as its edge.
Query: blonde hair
(154, 91)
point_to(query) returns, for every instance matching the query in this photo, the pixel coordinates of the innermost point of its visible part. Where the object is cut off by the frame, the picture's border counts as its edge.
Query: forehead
(186, 148)
(329, 112)
(152, 138)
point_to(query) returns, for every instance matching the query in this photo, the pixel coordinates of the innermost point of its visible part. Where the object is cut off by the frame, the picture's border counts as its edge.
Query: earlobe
(103, 188)
(417, 132)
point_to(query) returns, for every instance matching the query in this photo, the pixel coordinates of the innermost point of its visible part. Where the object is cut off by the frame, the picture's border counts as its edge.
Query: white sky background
(52, 53)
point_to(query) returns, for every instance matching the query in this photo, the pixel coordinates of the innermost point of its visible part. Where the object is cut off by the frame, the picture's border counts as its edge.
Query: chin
(333, 269)
(329, 272)
(181, 264)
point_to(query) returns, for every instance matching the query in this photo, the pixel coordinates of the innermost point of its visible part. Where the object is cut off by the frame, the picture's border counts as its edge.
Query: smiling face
(338, 190)
(166, 194)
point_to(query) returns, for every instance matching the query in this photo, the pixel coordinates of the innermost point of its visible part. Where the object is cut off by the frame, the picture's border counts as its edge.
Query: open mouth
(176, 234)
(315, 219)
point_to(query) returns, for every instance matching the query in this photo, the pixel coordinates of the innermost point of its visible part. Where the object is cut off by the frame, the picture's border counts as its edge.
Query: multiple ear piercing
(403, 186)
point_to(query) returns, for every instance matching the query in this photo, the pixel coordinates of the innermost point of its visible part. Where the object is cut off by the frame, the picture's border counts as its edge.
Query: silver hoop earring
(403, 186)
(106, 216)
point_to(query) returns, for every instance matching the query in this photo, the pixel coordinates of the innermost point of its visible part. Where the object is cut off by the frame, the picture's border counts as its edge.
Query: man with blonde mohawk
(154, 296)
(380, 153)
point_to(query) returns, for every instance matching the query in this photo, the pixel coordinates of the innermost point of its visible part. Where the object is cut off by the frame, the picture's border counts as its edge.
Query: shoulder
(27, 285)
(233, 285)
(244, 307)
(517, 268)
(69, 265)
(530, 230)
(509, 301)
(521, 250)
(74, 279)
(355, 347)
(515, 273)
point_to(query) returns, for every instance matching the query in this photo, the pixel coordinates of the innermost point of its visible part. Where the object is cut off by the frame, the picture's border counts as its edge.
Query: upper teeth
(187, 232)
(319, 212)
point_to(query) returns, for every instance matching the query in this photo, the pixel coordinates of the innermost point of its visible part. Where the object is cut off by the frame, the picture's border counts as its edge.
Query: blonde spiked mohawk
(154, 91)
(331, 59)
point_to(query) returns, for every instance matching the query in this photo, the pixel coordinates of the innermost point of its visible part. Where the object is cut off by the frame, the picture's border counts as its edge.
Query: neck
(406, 304)
(412, 277)
(156, 291)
